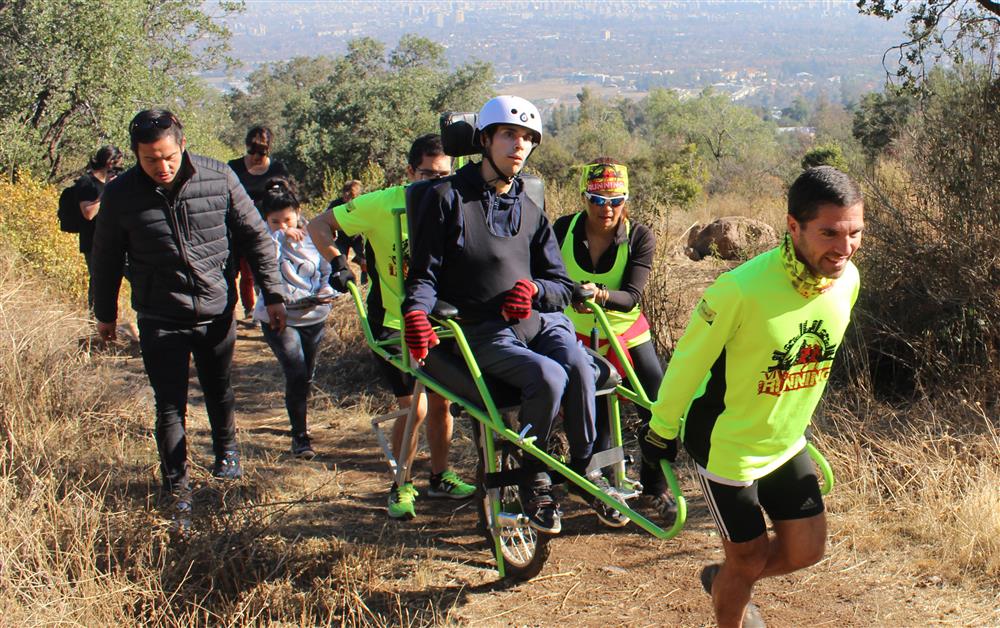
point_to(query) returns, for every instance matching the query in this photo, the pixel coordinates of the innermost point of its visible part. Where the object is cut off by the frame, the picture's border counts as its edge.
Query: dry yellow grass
(84, 541)
(921, 480)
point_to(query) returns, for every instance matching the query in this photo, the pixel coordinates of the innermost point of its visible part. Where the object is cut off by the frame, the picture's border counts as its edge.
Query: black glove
(340, 274)
(656, 448)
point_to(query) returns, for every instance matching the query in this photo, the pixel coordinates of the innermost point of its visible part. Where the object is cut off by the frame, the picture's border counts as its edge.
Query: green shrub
(29, 226)
(930, 308)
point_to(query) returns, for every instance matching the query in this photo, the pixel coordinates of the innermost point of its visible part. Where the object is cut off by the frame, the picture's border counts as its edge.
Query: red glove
(517, 302)
(418, 334)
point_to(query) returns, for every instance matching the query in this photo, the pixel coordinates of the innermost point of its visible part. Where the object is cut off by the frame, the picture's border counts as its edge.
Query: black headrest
(458, 134)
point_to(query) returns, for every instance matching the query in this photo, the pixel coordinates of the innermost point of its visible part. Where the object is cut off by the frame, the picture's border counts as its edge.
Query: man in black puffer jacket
(177, 218)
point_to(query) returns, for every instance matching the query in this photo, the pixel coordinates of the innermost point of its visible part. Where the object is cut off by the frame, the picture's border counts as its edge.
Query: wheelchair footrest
(622, 494)
(510, 520)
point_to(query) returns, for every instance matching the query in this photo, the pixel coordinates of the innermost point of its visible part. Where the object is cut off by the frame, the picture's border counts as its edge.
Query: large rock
(730, 237)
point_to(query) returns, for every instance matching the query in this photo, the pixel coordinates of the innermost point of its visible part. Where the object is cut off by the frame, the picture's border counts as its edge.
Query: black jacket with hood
(179, 244)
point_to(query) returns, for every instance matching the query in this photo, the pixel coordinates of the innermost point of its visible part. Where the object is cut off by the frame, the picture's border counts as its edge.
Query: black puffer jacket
(179, 244)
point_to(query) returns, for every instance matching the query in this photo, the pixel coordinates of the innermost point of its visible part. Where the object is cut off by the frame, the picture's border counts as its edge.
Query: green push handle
(824, 468)
(675, 490)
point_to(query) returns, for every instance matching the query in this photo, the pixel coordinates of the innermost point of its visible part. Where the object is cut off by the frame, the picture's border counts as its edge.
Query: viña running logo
(804, 361)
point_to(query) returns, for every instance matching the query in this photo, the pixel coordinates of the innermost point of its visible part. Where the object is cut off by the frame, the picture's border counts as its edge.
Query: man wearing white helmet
(480, 243)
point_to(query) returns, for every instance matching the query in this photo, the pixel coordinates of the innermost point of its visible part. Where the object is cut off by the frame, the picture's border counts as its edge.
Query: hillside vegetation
(910, 422)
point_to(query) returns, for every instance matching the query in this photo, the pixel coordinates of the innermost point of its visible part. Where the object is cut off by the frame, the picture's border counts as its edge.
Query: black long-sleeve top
(642, 247)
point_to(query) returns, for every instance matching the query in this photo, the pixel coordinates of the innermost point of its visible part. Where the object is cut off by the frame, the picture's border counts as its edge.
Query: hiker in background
(177, 216)
(371, 215)
(744, 381)
(613, 256)
(88, 189)
(306, 275)
(254, 170)
(350, 191)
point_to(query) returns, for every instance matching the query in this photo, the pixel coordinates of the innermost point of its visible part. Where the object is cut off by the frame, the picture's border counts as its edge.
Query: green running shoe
(401, 500)
(448, 484)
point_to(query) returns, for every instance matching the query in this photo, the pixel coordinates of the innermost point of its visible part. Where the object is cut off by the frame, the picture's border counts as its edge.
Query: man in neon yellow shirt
(744, 381)
(371, 215)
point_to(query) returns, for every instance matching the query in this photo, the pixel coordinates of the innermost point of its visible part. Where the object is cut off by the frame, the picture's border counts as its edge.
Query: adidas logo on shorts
(809, 503)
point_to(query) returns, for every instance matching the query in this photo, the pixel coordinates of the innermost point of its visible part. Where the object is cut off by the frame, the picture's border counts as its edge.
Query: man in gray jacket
(177, 218)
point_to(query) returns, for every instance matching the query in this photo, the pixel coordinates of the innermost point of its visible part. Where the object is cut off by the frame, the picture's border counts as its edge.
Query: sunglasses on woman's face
(601, 201)
(258, 149)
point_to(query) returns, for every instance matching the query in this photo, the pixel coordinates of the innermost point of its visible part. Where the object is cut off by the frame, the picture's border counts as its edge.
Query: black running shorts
(789, 492)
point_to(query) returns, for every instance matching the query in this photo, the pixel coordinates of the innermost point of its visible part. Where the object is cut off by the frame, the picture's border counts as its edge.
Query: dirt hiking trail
(437, 569)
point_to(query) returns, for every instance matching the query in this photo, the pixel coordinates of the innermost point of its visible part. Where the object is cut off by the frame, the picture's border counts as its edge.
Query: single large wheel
(523, 549)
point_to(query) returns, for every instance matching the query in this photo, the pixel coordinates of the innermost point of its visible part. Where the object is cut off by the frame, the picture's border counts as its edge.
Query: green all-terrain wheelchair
(451, 371)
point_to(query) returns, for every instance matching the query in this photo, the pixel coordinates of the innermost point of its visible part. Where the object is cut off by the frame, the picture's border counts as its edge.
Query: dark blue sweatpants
(551, 369)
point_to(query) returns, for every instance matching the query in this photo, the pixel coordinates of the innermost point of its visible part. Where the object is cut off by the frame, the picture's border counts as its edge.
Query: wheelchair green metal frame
(491, 417)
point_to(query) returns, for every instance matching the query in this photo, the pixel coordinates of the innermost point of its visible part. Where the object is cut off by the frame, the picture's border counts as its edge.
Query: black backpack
(70, 218)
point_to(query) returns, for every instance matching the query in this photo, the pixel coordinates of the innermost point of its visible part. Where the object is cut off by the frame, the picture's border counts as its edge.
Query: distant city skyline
(763, 52)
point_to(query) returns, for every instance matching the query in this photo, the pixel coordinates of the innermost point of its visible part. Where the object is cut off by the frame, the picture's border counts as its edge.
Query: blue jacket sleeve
(427, 240)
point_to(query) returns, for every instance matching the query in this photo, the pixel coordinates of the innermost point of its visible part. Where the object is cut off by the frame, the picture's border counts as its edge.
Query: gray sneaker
(227, 466)
(180, 509)
(302, 446)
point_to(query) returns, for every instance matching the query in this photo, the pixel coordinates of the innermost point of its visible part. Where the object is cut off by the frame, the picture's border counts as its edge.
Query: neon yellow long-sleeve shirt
(751, 367)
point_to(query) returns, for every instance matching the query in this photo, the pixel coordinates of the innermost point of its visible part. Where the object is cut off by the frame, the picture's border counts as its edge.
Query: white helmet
(510, 110)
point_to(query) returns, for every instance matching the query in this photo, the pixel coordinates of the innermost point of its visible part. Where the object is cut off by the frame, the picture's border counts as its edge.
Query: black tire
(523, 548)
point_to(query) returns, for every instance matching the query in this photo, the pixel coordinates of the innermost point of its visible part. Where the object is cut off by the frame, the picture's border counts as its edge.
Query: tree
(934, 313)
(879, 118)
(959, 30)
(75, 73)
(372, 105)
(271, 89)
(741, 149)
(797, 112)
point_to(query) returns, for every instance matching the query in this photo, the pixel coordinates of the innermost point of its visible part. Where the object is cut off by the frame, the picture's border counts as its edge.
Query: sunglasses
(148, 124)
(432, 174)
(601, 201)
(258, 149)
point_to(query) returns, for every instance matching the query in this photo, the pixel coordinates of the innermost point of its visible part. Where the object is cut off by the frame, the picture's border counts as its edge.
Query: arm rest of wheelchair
(444, 311)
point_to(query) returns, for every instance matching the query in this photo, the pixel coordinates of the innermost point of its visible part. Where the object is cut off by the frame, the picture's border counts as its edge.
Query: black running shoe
(541, 509)
(663, 505)
(707, 576)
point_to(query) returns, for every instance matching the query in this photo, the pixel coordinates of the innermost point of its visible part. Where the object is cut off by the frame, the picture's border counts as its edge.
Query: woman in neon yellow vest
(606, 252)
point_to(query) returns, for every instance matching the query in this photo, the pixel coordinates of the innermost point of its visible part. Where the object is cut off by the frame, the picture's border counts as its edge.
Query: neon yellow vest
(620, 321)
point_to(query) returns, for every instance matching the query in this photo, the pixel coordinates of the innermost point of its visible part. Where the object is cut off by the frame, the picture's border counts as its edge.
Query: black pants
(166, 352)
